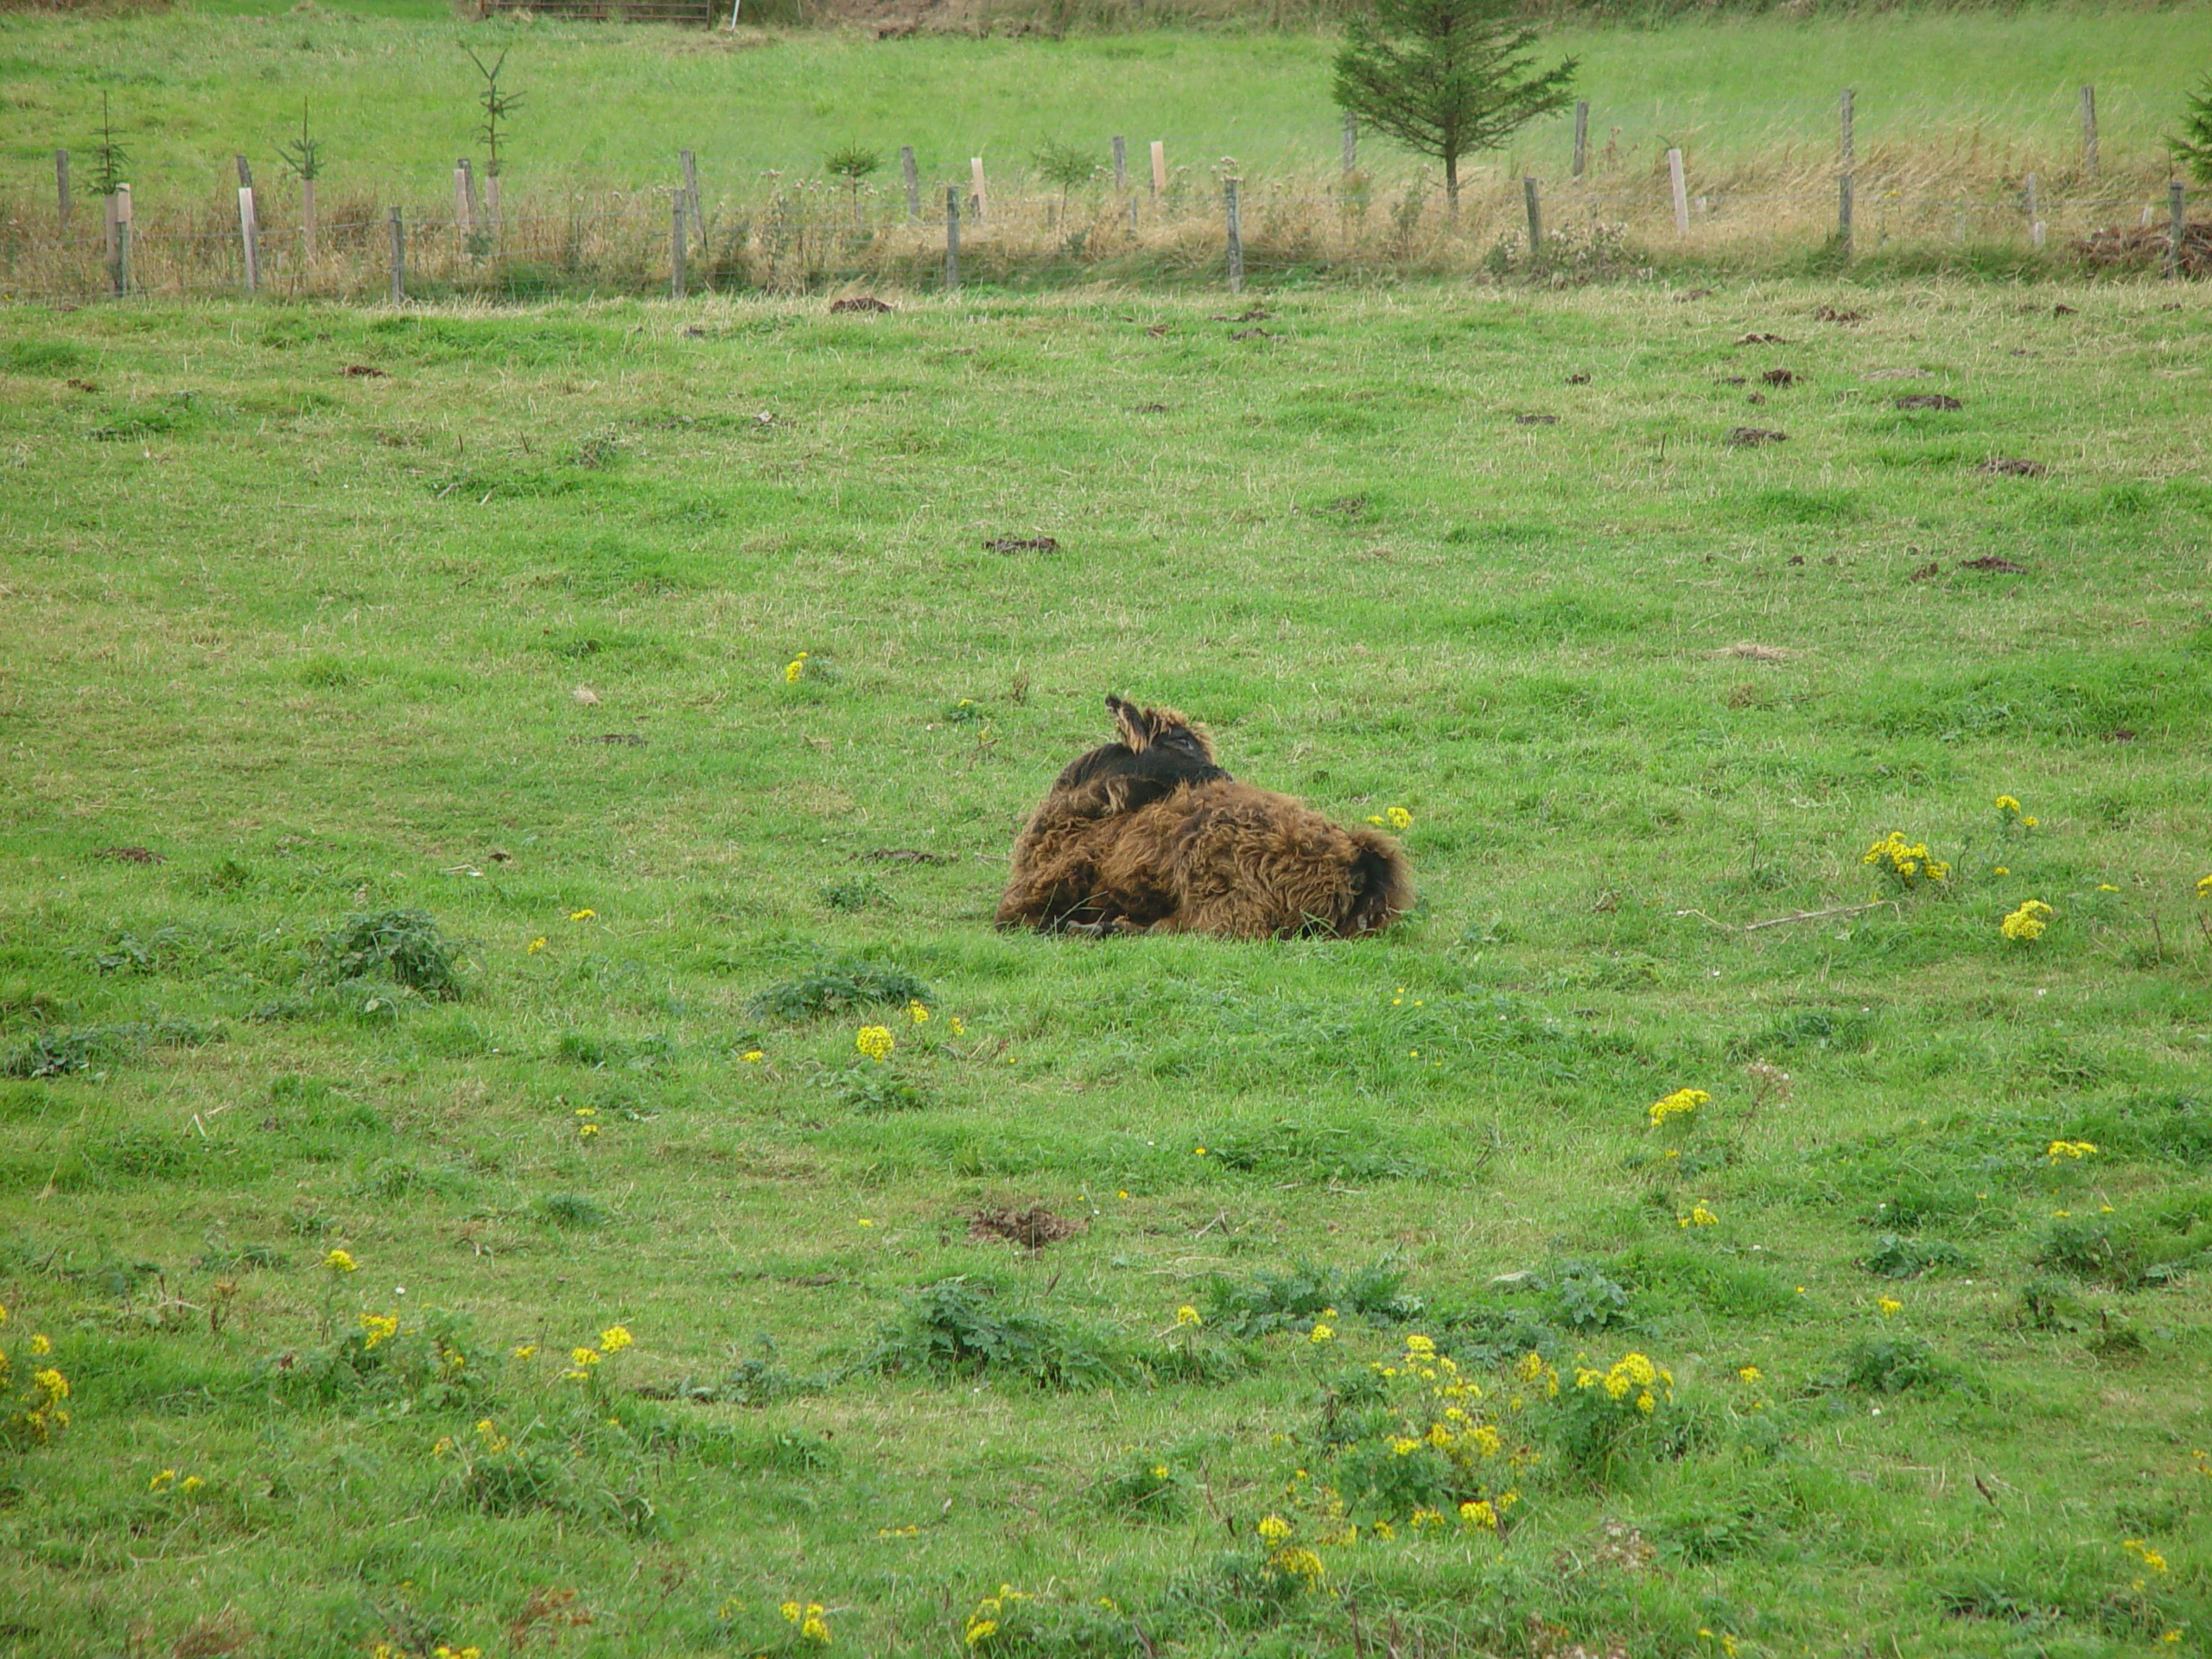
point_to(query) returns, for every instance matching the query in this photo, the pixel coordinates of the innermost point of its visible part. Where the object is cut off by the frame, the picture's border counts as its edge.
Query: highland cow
(1148, 834)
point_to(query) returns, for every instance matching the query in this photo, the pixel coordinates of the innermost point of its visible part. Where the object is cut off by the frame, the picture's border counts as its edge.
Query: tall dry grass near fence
(1917, 205)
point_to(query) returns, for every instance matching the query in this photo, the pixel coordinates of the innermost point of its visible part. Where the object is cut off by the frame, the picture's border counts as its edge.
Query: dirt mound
(1032, 1229)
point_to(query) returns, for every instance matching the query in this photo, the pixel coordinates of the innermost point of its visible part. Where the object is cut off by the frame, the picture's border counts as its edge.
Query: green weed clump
(404, 946)
(958, 1328)
(837, 988)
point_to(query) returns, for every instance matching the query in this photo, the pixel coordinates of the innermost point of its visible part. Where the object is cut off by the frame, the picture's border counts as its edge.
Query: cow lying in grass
(1148, 834)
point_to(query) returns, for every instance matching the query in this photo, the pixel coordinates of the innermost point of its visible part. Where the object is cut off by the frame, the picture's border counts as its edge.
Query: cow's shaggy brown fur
(1149, 835)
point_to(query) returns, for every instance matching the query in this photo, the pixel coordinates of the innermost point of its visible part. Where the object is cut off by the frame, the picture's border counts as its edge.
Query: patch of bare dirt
(867, 303)
(131, 855)
(1929, 400)
(1032, 1229)
(1991, 562)
(1751, 652)
(2011, 466)
(907, 855)
(625, 739)
(1761, 339)
(1829, 314)
(1751, 437)
(1926, 572)
(1536, 420)
(1022, 544)
(1780, 377)
(364, 372)
(1577, 378)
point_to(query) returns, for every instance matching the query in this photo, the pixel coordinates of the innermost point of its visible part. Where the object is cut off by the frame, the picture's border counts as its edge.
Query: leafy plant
(1271, 1301)
(1895, 1257)
(403, 945)
(953, 1328)
(1901, 1364)
(1446, 78)
(852, 163)
(838, 988)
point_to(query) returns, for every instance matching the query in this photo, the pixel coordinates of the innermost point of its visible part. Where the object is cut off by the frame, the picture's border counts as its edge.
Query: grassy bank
(392, 96)
(509, 632)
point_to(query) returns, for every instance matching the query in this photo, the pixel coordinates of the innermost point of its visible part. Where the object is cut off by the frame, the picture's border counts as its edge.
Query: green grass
(323, 645)
(392, 95)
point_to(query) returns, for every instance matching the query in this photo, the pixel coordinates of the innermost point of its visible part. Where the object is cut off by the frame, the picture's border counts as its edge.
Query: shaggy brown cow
(1148, 834)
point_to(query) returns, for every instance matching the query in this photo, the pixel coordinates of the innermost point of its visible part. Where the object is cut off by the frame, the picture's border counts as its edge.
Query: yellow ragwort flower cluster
(983, 1624)
(876, 1042)
(2076, 1150)
(1680, 1104)
(809, 1620)
(1630, 1374)
(1909, 863)
(2009, 809)
(794, 667)
(2025, 924)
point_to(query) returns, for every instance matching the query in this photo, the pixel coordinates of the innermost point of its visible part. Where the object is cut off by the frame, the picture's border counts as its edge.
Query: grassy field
(488, 987)
(391, 95)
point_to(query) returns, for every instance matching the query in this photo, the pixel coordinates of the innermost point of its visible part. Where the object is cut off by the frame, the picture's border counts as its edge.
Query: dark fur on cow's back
(1149, 835)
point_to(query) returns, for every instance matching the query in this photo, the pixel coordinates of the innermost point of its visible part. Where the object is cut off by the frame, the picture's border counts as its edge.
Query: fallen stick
(1779, 921)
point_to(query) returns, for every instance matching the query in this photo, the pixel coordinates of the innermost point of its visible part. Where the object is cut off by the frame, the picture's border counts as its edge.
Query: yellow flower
(875, 1042)
(191, 1484)
(2204, 886)
(813, 1630)
(917, 1014)
(752, 1057)
(2029, 822)
(979, 1629)
(791, 1612)
(1418, 1343)
(1887, 1305)
(794, 667)
(536, 945)
(1750, 1373)
(378, 1327)
(1188, 1315)
(1699, 1215)
(581, 915)
(1401, 820)
(1321, 1333)
(443, 1447)
(2075, 1149)
(1274, 1528)
(160, 1480)
(583, 1358)
(39, 1346)
(1680, 1104)
(585, 1131)
(1478, 1512)
(1197, 1152)
(339, 1262)
(959, 1026)
(1160, 1472)
(2006, 803)
(2106, 887)
(2025, 924)
(525, 1351)
(614, 1339)
(1999, 869)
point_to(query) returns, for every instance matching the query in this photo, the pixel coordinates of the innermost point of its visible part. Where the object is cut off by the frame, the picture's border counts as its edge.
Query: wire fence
(806, 235)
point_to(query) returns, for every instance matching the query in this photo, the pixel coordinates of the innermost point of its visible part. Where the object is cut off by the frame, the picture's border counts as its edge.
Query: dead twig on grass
(1783, 921)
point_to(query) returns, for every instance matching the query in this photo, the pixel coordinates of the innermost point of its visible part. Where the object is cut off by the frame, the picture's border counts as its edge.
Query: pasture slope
(474, 780)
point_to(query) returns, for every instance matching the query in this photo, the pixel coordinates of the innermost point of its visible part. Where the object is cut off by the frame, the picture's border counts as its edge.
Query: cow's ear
(1135, 728)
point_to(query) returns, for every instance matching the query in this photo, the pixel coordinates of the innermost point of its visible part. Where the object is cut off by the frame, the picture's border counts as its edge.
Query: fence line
(802, 237)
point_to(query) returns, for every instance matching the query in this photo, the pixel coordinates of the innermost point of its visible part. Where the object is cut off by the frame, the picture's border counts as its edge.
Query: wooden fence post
(460, 216)
(1843, 112)
(2177, 228)
(1121, 163)
(1581, 136)
(399, 259)
(1235, 237)
(1351, 143)
(982, 201)
(250, 233)
(1159, 168)
(245, 172)
(1536, 223)
(2089, 131)
(951, 240)
(122, 241)
(492, 205)
(307, 220)
(61, 183)
(698, 222)
(1843, 213)
(1681, 192)
(676, 240)
(913, 184)
(107, 226)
